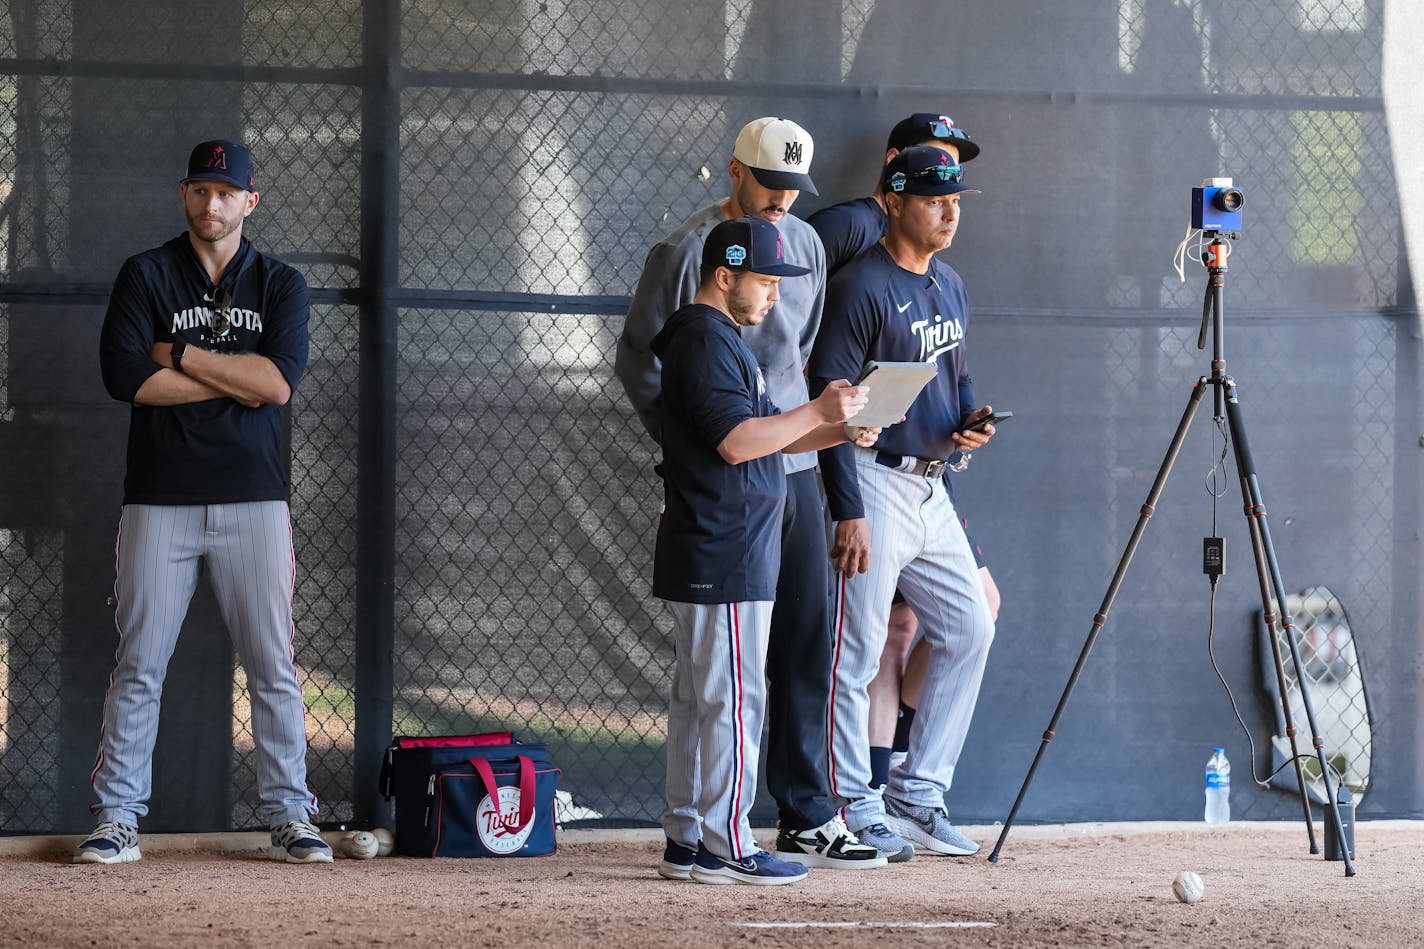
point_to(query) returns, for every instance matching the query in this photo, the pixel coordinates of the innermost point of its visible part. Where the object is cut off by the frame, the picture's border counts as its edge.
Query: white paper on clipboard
(893, 387)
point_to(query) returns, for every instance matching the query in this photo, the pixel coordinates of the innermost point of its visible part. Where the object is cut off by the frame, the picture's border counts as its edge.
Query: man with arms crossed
(207, 339)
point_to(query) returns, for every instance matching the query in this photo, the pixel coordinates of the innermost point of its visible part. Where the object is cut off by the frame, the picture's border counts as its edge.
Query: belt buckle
(933, 469)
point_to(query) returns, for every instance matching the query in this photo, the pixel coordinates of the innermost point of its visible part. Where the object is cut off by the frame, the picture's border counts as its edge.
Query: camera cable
(1216, 486)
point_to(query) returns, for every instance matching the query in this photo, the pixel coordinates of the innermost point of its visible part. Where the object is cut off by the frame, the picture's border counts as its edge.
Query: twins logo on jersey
(496, 823)
(939, 338)
(761, 383)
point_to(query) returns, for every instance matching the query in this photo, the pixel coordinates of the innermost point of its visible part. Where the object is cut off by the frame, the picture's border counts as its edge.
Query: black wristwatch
(179, 348)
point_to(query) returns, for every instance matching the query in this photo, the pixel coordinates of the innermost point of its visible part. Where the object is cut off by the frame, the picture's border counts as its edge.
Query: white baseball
(385, 840)
(360, 845)
(1188, 887)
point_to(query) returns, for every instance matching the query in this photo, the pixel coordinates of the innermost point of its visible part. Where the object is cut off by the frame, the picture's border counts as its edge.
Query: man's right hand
(840, 401)
(850, 551)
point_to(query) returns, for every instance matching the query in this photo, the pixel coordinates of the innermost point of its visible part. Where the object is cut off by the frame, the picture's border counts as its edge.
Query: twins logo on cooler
(497, 825)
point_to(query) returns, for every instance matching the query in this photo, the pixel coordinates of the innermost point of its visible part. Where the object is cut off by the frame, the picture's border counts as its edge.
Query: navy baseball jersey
(848, 230)
(877, 310)
(719, 540)
(217, 451)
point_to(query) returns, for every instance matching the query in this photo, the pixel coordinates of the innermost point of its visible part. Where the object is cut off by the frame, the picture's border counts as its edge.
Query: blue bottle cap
(1220, 751)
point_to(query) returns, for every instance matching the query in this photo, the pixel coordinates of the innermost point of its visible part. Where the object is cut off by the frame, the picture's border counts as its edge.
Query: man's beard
(225, 231)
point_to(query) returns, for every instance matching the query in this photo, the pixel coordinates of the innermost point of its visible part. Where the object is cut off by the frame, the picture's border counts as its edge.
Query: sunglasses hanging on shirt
(220, 323)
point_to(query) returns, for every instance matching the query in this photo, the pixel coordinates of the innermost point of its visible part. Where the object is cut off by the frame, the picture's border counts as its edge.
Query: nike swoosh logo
(902, 309)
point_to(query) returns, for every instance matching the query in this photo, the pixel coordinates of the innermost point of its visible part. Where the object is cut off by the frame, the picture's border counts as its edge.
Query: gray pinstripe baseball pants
(248, 551)
(917, 541)
(715, 717)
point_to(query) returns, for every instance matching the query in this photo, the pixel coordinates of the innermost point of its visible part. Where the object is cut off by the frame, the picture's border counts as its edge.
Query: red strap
(526, 789)
(458, 741)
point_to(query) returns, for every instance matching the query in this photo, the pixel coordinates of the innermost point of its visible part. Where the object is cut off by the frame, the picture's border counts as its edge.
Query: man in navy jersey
(847, 230)
(895, 520)
(769, 168)
(206, 339)
(719, 540)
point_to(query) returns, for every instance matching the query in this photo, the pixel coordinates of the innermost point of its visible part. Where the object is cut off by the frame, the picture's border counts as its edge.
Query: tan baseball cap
(778, 151)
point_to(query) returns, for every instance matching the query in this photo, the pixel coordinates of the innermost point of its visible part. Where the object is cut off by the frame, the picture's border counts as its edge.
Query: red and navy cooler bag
(471, 796)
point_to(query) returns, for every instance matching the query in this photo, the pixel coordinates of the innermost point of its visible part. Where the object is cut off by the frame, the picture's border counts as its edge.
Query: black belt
(927, 468)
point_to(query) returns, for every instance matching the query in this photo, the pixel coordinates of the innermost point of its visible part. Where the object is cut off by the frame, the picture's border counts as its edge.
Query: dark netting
(471, 189)
(524, 547)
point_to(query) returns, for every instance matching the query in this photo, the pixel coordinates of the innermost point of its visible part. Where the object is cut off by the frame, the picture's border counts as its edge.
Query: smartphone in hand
(993, 418)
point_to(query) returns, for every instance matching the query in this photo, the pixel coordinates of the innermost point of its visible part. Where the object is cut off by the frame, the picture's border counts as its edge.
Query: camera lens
(1229, 200)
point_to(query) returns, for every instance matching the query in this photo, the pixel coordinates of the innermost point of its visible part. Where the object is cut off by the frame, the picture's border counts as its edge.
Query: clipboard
(893, 387)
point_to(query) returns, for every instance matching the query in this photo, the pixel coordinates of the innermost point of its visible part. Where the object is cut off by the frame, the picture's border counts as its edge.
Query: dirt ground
(1079, 885)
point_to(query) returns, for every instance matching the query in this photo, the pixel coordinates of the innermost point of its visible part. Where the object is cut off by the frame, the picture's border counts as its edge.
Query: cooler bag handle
(526, 787)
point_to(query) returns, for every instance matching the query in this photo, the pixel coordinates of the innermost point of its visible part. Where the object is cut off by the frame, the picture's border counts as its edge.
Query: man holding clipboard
(894, 518)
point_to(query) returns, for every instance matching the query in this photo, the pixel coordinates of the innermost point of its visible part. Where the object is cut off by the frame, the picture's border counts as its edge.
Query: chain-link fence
(470, 190)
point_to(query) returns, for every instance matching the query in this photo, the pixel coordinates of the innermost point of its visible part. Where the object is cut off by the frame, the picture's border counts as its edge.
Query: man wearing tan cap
(768, 170)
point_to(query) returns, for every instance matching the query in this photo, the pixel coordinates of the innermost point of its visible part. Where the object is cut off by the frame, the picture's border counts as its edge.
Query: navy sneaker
(110, 842)
(927, 827)
(298, 841)
(760, 869)
(896, 849)
(677, 861)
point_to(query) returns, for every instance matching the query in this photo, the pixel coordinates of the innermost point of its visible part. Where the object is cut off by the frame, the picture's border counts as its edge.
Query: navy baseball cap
(749, 245)
(926, 170)
(221, 160)
(923, 126)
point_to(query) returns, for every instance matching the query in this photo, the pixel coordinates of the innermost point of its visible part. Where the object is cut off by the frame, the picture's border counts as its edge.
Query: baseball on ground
(360, 845)
(1188, 887)
(385, 840)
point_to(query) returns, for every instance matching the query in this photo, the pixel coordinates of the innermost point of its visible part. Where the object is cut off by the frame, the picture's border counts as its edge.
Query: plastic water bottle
(1218, 788)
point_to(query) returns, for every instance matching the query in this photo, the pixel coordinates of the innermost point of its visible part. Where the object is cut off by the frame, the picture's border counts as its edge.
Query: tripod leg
(1101, 617)
(1256, 512)
(1270, 617)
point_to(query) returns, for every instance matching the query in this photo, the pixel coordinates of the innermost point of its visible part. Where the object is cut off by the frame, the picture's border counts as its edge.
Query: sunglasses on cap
(942, 172)
(940, 128)
(954, 173)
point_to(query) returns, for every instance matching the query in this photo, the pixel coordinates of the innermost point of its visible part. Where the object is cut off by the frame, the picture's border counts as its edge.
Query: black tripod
(1267, 571)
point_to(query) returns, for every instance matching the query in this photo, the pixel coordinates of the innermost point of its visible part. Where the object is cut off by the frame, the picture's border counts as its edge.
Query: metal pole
(376, 416)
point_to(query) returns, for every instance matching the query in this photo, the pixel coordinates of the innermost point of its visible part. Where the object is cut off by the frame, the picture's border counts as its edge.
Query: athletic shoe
(677, 861)
(831, 846)
(110, 842)
(298, 841)
(896, 849)
(760, 869)
(927, 827)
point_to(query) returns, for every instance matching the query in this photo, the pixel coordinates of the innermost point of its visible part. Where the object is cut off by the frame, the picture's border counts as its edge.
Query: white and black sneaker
(298, 841)
(111, 842)
(831, 846)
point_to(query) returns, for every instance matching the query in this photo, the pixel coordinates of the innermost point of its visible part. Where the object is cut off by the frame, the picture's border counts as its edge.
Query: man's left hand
(971, 439)
(862, 437)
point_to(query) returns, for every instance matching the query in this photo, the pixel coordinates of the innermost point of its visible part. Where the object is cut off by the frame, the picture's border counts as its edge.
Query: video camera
(1216, 206)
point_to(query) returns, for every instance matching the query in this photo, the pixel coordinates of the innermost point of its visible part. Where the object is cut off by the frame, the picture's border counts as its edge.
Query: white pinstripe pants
(248, 551)
(715, 722)
(917, 541)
